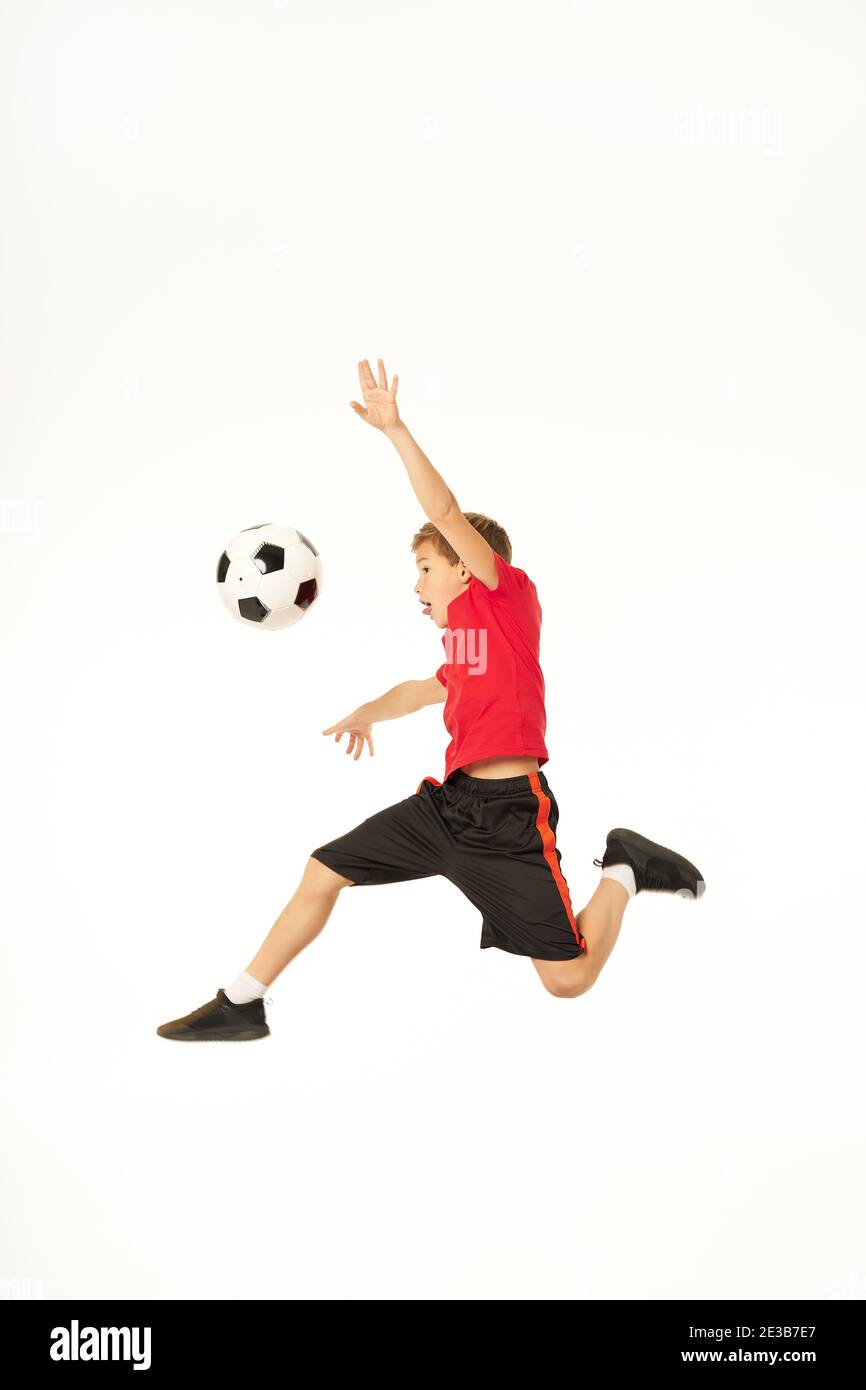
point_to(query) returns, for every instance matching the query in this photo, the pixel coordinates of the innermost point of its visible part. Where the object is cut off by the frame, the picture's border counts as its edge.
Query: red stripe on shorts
(548, 840)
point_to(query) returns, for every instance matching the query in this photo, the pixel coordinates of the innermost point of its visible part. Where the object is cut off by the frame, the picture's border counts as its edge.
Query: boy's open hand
(358, 731)
(380, 404)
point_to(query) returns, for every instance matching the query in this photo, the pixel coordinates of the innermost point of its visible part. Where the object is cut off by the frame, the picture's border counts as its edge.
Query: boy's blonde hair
(495, 535)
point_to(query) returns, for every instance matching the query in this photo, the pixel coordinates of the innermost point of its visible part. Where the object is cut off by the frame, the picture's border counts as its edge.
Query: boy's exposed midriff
(501, 767)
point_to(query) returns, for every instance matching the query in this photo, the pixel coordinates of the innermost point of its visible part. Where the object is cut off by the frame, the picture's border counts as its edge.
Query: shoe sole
(216, 1037)
(649, 848)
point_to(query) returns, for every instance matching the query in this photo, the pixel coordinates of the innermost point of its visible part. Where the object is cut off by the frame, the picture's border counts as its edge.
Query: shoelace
(651, 879)
(267, 1000)
(207, 1008)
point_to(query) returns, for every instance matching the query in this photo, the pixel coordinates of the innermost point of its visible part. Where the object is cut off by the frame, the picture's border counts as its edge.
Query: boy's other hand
(359, 732)
(380, 403)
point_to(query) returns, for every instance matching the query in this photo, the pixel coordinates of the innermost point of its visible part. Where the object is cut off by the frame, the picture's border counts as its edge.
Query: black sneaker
(656, 869)
(219, 1021)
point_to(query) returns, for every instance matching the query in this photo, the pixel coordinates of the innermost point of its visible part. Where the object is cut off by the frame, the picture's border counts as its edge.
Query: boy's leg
(402, 842)
(300, 921)
(599, 924)
(652, 867)
(226, 1019)
(405, 841)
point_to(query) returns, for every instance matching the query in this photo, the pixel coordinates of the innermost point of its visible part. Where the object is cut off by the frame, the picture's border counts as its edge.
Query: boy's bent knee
(566, 991)
(560, 979)
(323, 879)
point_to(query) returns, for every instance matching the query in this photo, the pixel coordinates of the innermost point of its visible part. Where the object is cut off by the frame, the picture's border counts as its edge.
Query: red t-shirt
(495, 702)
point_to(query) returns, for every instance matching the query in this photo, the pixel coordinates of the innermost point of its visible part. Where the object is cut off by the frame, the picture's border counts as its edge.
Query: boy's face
(438, 582)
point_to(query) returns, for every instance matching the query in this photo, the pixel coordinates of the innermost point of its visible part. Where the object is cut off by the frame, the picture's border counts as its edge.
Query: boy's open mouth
(426, 607)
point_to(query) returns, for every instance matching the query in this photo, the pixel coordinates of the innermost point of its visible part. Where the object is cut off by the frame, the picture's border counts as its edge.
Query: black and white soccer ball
(269, 575)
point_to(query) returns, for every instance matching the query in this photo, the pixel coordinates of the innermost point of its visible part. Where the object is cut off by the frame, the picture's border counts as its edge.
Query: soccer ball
(269, 575)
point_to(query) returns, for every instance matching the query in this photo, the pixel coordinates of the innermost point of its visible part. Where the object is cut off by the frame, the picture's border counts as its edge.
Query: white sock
(624, 874)
(245, 989)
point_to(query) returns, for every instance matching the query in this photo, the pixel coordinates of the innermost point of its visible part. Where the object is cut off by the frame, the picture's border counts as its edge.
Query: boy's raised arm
(436, 498)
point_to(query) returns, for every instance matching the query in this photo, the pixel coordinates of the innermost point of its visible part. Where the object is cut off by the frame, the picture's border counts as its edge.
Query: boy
(490, 826)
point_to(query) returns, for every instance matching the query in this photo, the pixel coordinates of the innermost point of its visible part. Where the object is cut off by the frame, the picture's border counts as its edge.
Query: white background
(614, 252)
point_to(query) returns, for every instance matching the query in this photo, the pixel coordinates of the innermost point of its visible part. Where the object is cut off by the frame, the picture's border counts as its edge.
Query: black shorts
(495, 839)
